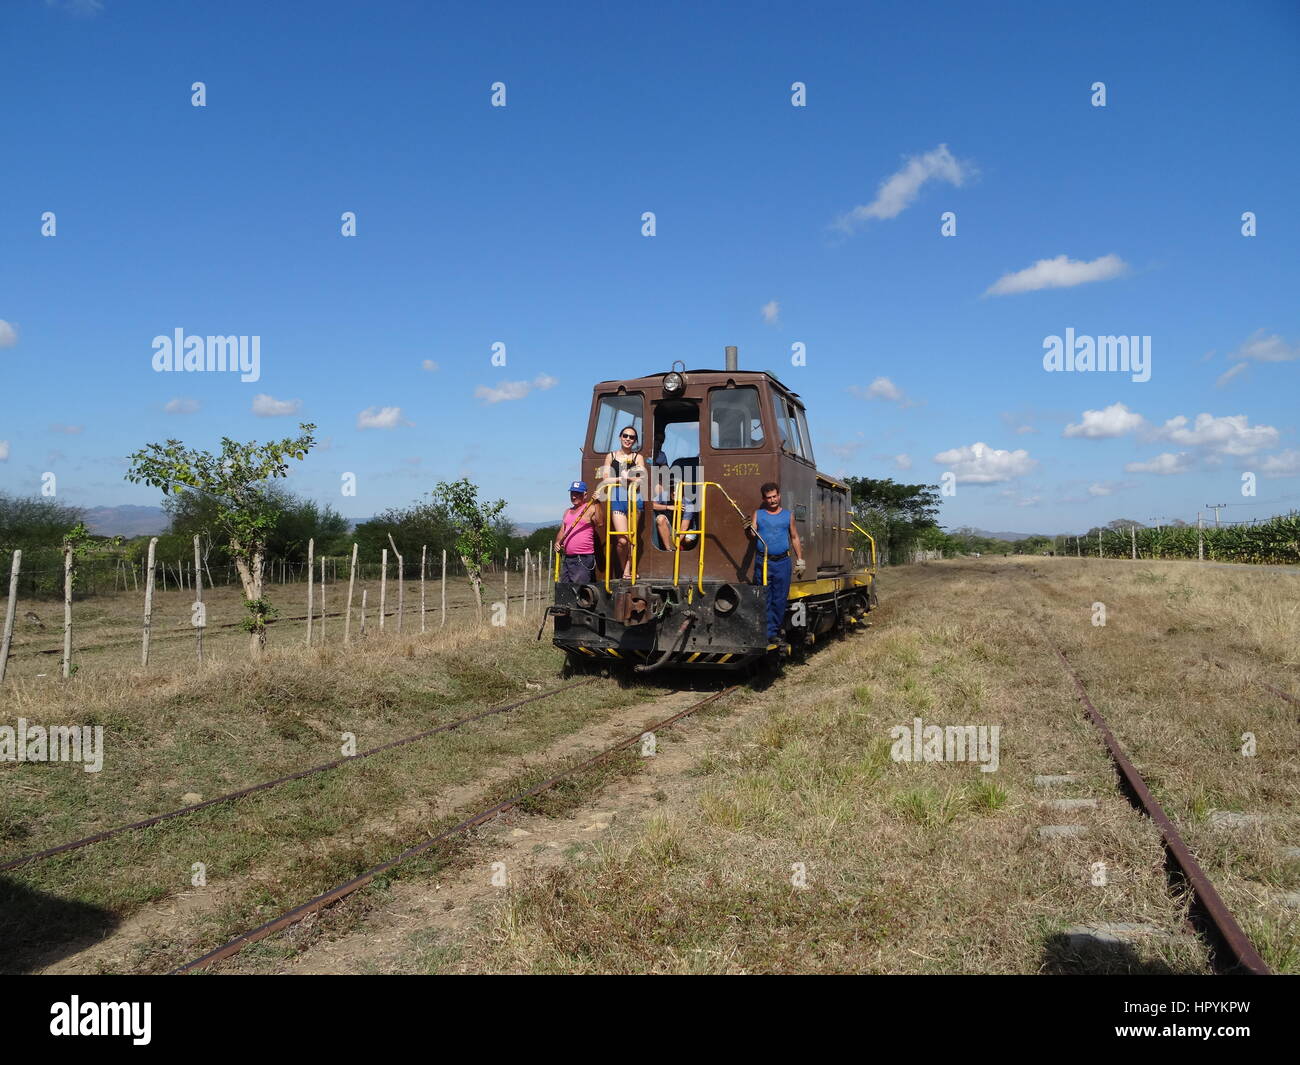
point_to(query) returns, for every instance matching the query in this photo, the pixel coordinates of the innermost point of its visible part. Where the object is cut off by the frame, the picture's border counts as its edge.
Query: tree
(895, 514)
(473, 522)
(246, 507)
(27, 524)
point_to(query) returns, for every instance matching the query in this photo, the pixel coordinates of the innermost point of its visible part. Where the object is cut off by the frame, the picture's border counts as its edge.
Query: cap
(579, 486)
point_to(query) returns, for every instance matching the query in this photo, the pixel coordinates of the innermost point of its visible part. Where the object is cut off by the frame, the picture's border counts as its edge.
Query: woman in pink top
(576, 541)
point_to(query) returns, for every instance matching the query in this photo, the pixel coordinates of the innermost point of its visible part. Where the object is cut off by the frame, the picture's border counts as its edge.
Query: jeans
(578, 569)
(778, 592)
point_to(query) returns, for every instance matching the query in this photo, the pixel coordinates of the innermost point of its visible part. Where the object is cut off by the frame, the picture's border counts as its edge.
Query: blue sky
(775, 225)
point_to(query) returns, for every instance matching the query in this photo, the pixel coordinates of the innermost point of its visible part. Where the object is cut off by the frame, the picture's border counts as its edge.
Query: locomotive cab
(696, 588)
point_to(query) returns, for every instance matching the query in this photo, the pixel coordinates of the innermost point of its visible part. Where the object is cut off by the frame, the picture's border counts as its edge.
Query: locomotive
(692, 598)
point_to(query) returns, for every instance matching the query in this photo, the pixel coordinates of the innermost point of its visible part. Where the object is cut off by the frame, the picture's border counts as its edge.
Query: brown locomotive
(712, 438)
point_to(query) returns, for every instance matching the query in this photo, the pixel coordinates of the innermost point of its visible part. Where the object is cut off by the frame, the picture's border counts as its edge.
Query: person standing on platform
(775, 526)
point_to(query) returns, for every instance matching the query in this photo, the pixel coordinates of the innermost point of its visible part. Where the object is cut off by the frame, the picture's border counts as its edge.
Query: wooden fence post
(1200, 536)
(10, 607)
(148, 602)
(1133, 536)
(528, 558)
(401, 584)
(383, 587)
(199, 616)
(444, 589)
(352, 580)
(505, 584)
(311, 587)
(67, 611)
(423, 550)
(322, 600)
(363, 611)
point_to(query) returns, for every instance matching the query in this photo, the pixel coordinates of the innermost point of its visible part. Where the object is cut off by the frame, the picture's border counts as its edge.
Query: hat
(579, 486)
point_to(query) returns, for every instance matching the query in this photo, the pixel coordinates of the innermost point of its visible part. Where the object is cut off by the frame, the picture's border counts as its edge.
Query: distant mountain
(127, 520)
(523, 528)
(1012, 536)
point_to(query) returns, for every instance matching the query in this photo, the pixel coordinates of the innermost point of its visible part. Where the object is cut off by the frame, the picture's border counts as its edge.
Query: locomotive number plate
(740, 469)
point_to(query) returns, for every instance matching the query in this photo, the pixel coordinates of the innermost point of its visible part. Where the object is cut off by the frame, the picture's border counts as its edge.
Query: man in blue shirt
(776, 527)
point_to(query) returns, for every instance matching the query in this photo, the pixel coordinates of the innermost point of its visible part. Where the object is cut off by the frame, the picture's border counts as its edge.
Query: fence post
(1133, 536)
(1099, 541)
(10, 607)
(200, 618)
(444, 588)
(1078, 547)
(363, 611)
(1200, 536)
(352, 580)
(148, 602)
(505, 584)
(401, 584)
(528, 559)
(423, 550)
(383, 587)
(67, 611)
(311, 586)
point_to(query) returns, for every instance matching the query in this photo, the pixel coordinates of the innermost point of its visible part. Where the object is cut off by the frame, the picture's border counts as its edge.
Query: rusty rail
(295, 915)
(77, 844)
(1209, 913)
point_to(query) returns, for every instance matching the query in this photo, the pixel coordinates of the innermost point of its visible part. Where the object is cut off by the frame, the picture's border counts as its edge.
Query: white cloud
(882, 388)
(1106, 424)
(1283, 464)
(429, 365)
(1263, 348)
(1163, 464)
(1224, 378)
(897, 191)
(508, 390)
(4, 450)
(181, 405)
(980, 464)
(771, 311)
(903, 461)
(1229, 435)
(381, 418)
(1101, 488)
(1061, 272)
(265, 406)
(70, 430)
(8, 334)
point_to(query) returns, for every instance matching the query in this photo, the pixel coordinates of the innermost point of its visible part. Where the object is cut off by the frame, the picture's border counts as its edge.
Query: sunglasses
(627, 436)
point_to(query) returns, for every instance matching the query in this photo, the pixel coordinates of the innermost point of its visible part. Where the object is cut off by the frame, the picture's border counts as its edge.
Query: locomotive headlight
(675, 380)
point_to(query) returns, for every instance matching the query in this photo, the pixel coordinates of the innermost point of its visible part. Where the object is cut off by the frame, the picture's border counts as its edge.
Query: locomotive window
(612, 415)
(795, 435)
(735, 420)
(803, 432)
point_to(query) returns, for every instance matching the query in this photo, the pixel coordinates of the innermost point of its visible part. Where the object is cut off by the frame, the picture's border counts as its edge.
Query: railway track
(293, 916)
(183, 811)
(1231, 951)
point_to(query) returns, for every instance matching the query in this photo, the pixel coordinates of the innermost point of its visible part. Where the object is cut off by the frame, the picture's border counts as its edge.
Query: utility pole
(1216, 507)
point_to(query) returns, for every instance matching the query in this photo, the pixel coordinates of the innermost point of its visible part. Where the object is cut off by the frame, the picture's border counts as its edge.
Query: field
(772, 833)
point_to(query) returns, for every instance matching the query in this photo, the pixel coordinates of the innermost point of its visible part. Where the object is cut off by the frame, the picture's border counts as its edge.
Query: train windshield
(614, 414)
(735, 420)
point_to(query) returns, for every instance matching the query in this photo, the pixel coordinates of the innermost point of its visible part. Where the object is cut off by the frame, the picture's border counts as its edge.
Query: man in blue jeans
(776, 527)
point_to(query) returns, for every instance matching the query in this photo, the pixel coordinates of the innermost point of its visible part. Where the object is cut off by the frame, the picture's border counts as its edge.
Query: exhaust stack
(733, 361)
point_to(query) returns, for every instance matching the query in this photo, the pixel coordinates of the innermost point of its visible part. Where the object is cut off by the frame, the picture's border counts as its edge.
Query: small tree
(474, 524)
(246, 507)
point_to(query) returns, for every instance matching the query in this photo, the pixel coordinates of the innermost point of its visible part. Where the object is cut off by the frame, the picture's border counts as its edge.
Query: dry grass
(212, 731)
(934, 867)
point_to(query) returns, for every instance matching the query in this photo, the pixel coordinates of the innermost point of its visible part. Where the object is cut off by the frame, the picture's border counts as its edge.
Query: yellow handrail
(869, 537)
(680, 534)
(610, 531)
